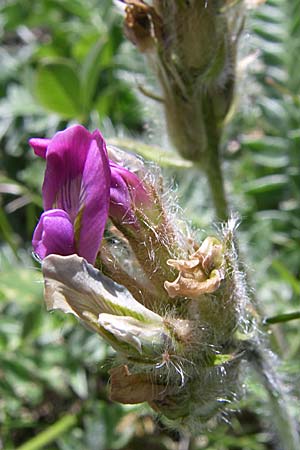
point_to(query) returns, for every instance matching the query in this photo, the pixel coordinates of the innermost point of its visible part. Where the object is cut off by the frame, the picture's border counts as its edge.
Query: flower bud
(73, 285)
(141, 25)
(135, 337)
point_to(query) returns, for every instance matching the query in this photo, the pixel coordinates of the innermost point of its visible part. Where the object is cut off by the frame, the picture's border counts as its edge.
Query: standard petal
(66, 156)
(100, 141)
(54, 233)
(94, 202)
(77, 180)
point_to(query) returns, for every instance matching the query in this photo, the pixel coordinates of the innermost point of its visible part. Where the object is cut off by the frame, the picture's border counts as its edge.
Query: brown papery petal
(133, 388)
(188, 287)
(183, 264)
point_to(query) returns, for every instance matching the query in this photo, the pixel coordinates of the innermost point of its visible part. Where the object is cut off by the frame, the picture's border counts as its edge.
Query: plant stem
(284, 422)
(216, 185)
(213, 163)
(259, 358)
(50, 434)
(281, 318)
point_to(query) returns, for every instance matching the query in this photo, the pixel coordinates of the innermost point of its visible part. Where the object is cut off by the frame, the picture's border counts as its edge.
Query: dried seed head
(142, 25)
(200, 274)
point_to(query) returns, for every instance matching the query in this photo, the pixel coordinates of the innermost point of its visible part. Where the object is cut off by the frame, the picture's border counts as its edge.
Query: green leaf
(18, 102)
(295, 136)
(274, 111)
(266, 144)
(117, 102)
(58, 88)
(271, 161)
(26, 291)
(90, 73)
(17, 368)
(266, 184)
(222, 359)
(287, 276)
(270, 14)
(271, 32)
(78, 382)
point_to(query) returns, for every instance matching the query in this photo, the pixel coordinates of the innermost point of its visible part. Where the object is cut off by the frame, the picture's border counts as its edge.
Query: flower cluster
(113, 255)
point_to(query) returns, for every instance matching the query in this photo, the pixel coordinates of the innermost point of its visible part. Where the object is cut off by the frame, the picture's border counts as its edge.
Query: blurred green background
(66, 61)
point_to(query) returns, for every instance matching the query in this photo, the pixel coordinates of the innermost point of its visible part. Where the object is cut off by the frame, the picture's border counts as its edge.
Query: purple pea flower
(75, 193)
(81, 188)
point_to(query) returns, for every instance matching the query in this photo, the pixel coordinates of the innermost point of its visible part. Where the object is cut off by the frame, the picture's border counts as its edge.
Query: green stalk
(213, 163)
(278, 400)
(282, 318)
(50, 434)
(216, 185)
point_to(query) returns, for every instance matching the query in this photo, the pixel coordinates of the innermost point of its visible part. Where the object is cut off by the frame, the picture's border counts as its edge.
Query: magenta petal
(54, 233)
(94, 202)
(77, 181)
(100, 141)
(66, 155)
(127, 191)
(120, 202)
(135, 185)
(39, 146)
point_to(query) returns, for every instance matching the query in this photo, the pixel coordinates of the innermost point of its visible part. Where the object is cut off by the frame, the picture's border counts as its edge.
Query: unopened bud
(135, 336)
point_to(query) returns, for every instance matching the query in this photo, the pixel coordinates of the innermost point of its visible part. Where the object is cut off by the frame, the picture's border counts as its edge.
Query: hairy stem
(278, 400)
(283, 420)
